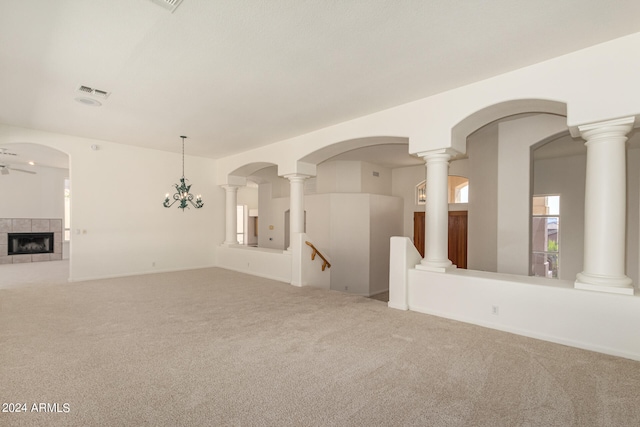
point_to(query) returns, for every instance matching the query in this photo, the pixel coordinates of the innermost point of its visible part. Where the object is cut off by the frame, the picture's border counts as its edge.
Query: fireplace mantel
(30, 225)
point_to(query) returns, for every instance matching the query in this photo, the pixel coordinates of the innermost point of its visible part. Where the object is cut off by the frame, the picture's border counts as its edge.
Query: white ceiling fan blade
(6, 152)
(22, 170)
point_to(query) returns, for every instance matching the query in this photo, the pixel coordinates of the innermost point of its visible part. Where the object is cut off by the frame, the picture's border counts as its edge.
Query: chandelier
(182, 194)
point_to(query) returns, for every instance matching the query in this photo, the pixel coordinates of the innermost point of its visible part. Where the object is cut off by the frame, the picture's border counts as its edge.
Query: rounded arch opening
(345, 146)
(494, 112)
(36, 178)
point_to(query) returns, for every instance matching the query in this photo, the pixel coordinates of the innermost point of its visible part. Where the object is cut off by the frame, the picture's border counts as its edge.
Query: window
(458, 188)
(421, 193)
(462, 193)
(545, 236)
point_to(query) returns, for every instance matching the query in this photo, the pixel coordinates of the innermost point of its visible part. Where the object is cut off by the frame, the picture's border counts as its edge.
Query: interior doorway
(458, 226)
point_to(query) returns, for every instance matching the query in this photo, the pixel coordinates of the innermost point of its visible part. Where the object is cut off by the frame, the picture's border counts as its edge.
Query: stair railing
(315, 252)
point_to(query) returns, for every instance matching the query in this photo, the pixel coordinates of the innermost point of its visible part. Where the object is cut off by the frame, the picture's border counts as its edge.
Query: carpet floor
(212, 347)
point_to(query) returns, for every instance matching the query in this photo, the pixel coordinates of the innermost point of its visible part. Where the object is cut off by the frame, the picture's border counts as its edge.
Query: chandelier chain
(183, 137)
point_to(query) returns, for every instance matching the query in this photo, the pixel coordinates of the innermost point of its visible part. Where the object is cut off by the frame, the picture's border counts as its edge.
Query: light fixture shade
(182, 193)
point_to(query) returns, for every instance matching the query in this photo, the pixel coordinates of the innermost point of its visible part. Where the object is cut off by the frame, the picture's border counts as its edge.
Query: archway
(355, 208)
(475, 121)
(256, 184)
(36, 179)
(498, 141)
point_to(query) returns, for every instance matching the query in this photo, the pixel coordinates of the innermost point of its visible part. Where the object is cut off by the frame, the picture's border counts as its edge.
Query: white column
(436, 242)
(231, 214)
(605, 208)
(296, 205)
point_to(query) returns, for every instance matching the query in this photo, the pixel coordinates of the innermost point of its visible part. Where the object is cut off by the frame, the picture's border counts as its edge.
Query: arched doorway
(37, 222)
(362, 195)
(498, 146)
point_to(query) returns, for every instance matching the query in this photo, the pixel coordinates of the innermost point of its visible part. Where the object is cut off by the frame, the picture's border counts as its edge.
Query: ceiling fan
(4, 170)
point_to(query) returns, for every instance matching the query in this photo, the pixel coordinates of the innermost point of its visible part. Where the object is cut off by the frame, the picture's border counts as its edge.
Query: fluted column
(605, 208)
(231, 214)
(436, 242)
(296, 207)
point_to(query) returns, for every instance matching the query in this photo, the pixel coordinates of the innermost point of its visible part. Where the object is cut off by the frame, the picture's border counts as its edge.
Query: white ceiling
(237, 74)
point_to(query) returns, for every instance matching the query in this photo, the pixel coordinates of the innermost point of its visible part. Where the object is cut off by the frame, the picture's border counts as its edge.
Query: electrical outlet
(346, 288)
(495, 310)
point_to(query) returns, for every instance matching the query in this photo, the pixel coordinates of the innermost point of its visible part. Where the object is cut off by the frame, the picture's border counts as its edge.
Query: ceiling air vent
(95, 92)
(170, 5)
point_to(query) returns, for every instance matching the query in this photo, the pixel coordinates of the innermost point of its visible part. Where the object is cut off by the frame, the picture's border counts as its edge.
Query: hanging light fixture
(182, 191)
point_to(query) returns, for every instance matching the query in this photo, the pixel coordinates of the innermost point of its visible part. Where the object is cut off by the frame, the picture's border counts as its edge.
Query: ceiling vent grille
(170, 5)
(95, 92)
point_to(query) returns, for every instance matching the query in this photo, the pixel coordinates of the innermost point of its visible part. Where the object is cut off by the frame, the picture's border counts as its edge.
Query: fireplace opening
(30, 243)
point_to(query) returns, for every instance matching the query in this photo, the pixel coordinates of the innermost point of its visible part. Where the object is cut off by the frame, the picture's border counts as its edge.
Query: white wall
(270, 263)
(531, 306)
(271, 224)
(33, 196)
(482, 234)
(499, 191)
(353, 230)
(404, 186)
(349, 246)
(339, 176)
(273, 201)
(352, 176)
(566, 176)
(318, 207)
(372, 184)
(459, 167)
(117, 195)
(248, 196)
(515, 137)
(385, 222)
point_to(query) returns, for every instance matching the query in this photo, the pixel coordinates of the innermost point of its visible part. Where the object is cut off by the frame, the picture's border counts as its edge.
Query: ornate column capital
(230, 187)
(443, 154)
(605, 131)
(296, 177)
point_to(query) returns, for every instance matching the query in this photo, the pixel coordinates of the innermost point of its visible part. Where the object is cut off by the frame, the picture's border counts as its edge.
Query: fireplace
(30, 243)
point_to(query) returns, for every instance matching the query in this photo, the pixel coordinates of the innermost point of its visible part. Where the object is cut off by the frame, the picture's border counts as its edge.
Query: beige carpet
(215, 348)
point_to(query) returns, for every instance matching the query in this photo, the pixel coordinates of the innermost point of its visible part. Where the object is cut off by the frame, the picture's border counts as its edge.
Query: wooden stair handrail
(316, 251)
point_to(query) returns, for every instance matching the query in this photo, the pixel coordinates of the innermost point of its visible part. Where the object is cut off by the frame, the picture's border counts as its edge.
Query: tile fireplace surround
(30, 225)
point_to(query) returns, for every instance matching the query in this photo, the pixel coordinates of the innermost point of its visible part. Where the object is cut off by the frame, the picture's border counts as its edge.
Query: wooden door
(457, 236)
(418, 232)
